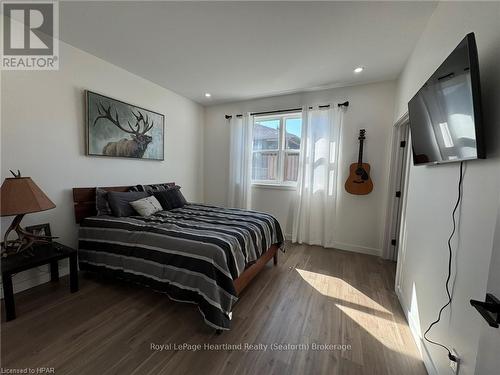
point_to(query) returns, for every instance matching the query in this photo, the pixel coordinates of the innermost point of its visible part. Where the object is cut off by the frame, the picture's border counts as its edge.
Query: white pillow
(146, 206)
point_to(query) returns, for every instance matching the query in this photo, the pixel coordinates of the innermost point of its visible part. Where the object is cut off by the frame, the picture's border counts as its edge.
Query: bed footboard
(241, 282)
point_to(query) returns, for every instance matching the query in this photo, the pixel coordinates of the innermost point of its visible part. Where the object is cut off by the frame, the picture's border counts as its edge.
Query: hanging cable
(448, 278)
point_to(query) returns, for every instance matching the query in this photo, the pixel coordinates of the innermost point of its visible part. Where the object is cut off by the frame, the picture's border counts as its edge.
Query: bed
(198, 254)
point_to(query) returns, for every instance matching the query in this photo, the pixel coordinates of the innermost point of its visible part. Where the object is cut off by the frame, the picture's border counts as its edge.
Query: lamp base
(24, 241)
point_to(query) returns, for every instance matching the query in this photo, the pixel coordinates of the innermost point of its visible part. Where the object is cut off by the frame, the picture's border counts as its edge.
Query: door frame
(398, 181)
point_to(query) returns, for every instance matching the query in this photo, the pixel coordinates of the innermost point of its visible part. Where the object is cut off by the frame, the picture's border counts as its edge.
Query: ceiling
(242, 50)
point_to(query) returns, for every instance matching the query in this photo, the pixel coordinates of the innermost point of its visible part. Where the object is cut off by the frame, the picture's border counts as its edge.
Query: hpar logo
(30, 35)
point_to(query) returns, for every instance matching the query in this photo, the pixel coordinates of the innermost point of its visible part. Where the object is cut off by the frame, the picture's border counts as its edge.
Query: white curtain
(318, 185)
(240, 161)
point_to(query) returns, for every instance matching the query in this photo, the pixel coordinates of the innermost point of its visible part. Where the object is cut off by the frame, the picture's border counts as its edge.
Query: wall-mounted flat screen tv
(445, 114)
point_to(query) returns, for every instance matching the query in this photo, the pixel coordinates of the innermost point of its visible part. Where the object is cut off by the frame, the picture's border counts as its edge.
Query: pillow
(101, 202)
(147, 206)
(136, 188)
(171, 198)
(181, 199)
(119, 202)
(157, 187)
(152, 187)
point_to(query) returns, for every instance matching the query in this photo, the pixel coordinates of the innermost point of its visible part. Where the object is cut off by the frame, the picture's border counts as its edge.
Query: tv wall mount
(489, 309)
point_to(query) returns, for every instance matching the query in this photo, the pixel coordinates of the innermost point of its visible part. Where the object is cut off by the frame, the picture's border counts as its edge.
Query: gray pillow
(101, 202)
(120, 202)
(147, 206)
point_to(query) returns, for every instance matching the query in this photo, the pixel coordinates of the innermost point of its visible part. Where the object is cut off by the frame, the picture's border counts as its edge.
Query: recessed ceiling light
(208, 95)
(359, 69)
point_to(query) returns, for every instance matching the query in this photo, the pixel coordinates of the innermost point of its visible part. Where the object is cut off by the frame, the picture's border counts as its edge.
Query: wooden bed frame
(84, 201)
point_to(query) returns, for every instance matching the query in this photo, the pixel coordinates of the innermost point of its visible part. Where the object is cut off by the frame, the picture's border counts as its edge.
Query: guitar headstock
(362, 134)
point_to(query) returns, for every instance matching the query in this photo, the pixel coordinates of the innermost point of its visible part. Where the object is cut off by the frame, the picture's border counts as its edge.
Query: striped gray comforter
(191, 253)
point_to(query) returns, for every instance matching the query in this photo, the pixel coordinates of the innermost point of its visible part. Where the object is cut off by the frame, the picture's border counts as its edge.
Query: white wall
(360, 226)
(432, 192)
(43, 135)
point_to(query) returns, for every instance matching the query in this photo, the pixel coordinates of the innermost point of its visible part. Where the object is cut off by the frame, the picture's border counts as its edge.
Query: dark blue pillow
(119, 202)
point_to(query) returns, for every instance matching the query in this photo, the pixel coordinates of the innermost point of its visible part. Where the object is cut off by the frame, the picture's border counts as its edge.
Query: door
(488, 360)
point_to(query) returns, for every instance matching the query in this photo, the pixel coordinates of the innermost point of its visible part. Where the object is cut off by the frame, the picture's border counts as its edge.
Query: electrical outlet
(455, 365)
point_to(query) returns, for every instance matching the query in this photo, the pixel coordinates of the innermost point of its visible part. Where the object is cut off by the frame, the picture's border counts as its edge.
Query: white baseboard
(421, 344)
(357, 248)
(349, 247)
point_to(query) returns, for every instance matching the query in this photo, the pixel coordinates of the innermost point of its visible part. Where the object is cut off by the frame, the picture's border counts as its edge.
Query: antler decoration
(145, 121)
(105, 113)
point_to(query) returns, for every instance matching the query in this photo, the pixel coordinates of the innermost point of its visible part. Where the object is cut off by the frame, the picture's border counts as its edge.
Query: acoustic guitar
(359, 181)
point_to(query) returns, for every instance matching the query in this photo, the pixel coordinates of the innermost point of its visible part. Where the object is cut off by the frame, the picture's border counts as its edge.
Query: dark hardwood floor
(315, 295)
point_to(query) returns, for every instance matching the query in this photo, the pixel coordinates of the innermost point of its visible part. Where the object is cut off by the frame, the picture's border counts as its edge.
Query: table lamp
(20, 196)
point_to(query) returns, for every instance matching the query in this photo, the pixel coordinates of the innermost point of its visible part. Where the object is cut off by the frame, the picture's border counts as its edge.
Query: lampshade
(21, 195)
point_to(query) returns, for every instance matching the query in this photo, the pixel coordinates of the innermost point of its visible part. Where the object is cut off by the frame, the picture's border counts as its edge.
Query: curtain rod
(277, 111)
(344, 104)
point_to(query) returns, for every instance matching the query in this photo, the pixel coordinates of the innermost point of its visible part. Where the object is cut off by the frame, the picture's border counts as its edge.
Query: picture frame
(115, 128)
(40, 229)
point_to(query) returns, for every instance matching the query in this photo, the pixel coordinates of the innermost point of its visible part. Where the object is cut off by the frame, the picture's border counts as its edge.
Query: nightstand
(49, 253)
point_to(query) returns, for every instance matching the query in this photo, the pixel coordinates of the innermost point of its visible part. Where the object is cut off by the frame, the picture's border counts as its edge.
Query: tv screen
(445, 114)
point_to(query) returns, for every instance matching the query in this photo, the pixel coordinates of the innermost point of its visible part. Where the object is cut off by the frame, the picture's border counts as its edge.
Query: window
(276, 148)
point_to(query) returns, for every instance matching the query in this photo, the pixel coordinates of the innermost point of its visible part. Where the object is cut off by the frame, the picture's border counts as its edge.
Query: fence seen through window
(276, 148)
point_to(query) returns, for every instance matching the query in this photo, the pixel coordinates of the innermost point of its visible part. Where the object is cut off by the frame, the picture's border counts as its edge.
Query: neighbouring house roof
(261, 132)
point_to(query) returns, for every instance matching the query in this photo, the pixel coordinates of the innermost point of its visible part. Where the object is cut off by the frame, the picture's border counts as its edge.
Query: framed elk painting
(119, 129)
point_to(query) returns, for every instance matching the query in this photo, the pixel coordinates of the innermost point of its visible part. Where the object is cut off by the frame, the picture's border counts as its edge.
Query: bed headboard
(84, 200)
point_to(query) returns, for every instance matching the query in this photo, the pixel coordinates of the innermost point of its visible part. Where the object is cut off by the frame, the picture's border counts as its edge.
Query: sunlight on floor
(363, 310)
(337, 288)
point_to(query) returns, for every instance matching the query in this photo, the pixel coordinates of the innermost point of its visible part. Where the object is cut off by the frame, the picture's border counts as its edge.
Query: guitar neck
(360, 156)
